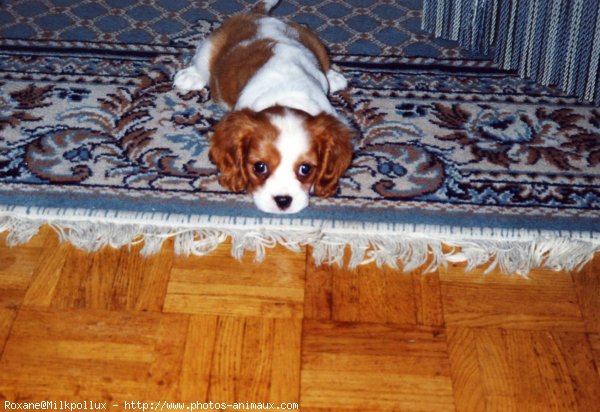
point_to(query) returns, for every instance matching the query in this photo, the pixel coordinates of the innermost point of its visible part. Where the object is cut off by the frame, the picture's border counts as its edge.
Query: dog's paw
(190, 79)
(336, 81)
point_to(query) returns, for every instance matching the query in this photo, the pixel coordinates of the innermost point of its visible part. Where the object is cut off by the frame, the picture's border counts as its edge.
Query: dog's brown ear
(334, 151)
(229, 148)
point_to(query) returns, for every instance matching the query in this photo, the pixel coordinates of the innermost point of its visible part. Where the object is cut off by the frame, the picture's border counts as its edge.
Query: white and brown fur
(282, 138)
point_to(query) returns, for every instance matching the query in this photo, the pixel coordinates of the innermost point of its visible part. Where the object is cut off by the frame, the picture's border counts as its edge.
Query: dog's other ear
(229, 148)
(334, 151)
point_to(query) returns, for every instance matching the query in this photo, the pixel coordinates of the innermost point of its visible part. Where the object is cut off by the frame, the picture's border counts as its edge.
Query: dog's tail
(264, 6)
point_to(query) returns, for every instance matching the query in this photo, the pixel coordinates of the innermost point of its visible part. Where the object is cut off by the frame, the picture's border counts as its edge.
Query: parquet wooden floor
(118, 328)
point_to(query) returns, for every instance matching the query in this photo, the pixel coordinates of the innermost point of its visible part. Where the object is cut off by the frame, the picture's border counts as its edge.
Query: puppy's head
(280, 154)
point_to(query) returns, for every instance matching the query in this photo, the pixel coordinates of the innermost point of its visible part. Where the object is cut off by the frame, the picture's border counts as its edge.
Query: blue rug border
(312, 213)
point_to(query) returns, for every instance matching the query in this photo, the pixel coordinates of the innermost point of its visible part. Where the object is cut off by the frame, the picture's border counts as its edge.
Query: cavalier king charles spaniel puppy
(282, 138)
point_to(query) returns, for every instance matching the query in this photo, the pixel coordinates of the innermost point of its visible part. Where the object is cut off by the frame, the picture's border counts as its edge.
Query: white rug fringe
(408, 247)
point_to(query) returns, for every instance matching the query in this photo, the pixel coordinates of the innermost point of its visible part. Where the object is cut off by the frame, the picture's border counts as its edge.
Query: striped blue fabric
(555, 42)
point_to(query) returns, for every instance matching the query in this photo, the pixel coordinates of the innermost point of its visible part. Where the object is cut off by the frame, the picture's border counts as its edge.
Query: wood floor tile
(221, 285)
(352, 365)
(115, 326)
(517, 370)
(546, 300)
(304, 409)
(466, 370)
(372, 294)
(17, 270)
(595, 344)
(587, 283)
(47, 272)
(241, 359)
(115, 279)
(57, 354)
(7, 317)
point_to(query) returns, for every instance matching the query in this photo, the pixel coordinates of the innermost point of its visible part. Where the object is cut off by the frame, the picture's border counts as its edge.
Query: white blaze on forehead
(293, 140)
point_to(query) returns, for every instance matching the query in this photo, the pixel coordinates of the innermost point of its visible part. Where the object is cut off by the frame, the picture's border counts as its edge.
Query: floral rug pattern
(451, 142)
(424, 138)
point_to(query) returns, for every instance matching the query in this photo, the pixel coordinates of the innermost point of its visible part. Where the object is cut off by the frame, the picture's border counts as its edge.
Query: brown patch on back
(232, 65)
(234, 31)
(235, 59)
(312, 43)
(237, 67)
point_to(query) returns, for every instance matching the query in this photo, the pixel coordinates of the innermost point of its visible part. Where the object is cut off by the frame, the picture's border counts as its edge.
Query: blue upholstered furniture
(555, 42)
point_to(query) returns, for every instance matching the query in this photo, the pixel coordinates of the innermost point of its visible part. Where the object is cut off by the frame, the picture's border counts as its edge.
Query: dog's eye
(261, 168)
(304, 169)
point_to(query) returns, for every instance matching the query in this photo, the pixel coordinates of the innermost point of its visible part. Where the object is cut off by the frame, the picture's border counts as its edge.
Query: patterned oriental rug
(451, 150)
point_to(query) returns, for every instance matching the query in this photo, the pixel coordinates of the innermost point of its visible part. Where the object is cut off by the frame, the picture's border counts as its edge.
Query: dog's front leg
(196, 76)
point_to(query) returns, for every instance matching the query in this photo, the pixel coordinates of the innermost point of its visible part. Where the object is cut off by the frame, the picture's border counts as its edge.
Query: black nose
(283, 201)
